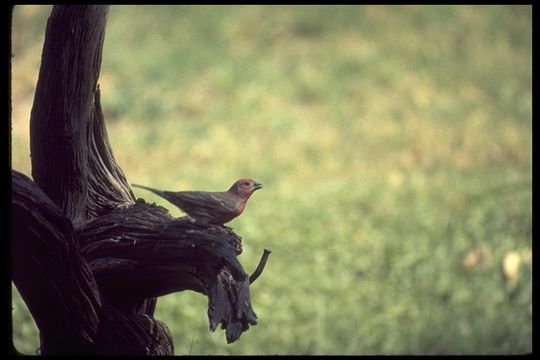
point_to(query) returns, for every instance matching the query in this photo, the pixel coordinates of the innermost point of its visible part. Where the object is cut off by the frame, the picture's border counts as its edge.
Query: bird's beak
(257, 186)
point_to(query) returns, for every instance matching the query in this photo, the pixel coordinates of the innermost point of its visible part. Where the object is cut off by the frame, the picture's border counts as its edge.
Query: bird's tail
(155, 191)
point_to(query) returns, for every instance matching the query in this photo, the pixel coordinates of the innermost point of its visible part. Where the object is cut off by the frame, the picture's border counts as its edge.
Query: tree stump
(89, 259)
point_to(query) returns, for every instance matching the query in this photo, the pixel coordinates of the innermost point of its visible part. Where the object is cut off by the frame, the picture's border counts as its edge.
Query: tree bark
(63, 110)
(88, 259)
(49, 271)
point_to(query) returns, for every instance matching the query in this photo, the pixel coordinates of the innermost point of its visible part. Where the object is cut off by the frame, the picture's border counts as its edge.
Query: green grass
(393, 143)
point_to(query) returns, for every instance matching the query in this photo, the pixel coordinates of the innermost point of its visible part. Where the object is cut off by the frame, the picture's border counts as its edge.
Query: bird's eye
(246, 183)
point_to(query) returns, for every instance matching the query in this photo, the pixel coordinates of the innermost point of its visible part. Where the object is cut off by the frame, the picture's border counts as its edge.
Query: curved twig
(262, 263)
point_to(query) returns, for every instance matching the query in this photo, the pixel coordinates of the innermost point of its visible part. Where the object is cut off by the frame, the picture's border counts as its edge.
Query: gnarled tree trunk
(88, 258)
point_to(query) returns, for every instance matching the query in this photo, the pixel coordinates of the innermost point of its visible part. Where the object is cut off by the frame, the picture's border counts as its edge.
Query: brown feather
(207, 207)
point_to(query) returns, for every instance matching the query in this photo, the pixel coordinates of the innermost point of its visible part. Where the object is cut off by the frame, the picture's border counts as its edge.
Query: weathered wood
(107, 185)
(89, 260)
(64, 105)
(141, 251)
(134, 253)
(67, 127)
(60, 291)
(49, 271)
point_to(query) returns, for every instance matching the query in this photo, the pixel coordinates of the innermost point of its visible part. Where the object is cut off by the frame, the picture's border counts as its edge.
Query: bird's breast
(241, 206)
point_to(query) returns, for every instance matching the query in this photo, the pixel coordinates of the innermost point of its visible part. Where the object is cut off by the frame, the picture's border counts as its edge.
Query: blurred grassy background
(394, 143)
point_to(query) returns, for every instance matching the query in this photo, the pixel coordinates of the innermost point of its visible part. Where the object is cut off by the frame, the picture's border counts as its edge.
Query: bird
(211, 207)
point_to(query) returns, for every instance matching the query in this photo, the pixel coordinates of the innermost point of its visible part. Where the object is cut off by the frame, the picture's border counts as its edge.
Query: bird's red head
(245, 187)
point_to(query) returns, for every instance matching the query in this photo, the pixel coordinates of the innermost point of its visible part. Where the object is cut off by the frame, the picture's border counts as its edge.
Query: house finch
(215, 208)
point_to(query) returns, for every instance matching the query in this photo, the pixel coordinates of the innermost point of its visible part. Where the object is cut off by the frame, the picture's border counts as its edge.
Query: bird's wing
(191, 200)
